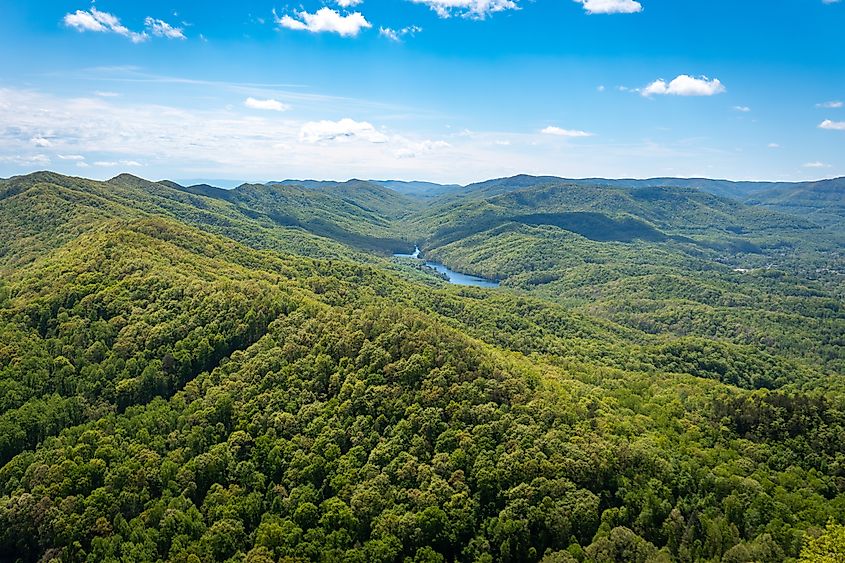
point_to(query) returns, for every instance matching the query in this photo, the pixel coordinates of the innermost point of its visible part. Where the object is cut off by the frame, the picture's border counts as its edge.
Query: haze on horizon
(433, 90)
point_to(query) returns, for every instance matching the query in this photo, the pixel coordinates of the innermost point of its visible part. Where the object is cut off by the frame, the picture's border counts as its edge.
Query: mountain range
(193, 373)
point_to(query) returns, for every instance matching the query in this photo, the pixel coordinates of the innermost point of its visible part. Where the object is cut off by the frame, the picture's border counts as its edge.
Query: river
(452, 276)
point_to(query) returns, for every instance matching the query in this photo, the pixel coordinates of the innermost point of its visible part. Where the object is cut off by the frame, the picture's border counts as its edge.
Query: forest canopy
(247, 375)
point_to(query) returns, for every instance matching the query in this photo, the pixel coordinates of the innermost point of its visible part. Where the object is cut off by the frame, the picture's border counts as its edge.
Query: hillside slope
(169, 393)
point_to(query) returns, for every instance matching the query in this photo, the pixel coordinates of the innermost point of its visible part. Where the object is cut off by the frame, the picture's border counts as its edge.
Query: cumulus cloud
(474, 9)
(559, 132)
(685, 85)
(326, 20)
(832, 125)
(348, 3)
(611, 6)
(398, 34)
(344, 130)
(104, 22)
(830, 105)
(268, 104)
(41, 142)
(161, 28)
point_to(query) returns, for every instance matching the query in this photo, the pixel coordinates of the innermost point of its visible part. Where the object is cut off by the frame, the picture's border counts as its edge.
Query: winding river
(452, 276)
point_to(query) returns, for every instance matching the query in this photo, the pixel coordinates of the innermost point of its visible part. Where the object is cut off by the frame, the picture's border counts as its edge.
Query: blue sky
(441, 90)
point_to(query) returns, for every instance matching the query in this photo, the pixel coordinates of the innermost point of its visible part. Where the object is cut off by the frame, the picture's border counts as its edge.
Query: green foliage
(167, 393)
(829, 547)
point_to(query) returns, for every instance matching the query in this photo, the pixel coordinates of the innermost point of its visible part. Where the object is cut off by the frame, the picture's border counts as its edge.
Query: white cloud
(161, 28)
(326, 20)
(816, 164)
(345, 129)
(41, 142)
(830, 105)
(742, 109)
(685, 85)
(107, 94)
(348, 3)
(33, 160)
(117, 163)
(398, 34)
(557, 131)
(611, 6)
(832, 125)
(200, 141)
(268, 104)
(104, 22)
(473, 9)
(773, 146)
(412, 149)
(76, 157)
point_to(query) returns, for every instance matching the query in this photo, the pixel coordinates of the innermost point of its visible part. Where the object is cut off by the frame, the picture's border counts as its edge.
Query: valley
(605, 370)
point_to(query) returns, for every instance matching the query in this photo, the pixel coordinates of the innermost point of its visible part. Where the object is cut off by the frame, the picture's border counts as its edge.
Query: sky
(449, 91)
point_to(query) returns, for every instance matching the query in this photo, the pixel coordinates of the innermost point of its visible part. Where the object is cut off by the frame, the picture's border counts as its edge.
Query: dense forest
(195, 374)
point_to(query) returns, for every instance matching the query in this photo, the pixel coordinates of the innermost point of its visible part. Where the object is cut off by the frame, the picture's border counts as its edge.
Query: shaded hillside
(822, 202)
(42, 210)
(725, 188)
(360, 214)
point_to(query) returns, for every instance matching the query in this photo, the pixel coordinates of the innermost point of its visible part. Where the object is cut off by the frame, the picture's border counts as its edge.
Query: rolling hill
(190, 374)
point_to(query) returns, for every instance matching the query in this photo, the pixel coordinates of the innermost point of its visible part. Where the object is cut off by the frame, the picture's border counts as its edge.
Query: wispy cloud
(398, 34)
(343, 130)
(117, 163)
(326, 20)
(834, 104)
(474, 9)
(229, 140)
(685, 85)
(559, 132)
(611, 6)
(742, 109)
(268, 104)
(161, 28)
(97, 21)
(832, 125)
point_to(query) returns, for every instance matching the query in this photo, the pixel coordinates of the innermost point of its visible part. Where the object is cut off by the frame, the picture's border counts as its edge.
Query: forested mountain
(195, 374)
(725, 188)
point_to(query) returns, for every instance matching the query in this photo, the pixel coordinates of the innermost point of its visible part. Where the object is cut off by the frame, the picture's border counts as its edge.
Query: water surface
(452, 276)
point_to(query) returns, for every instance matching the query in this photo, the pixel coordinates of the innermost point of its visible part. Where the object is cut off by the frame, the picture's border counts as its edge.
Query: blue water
(452, 276)
(458, 278)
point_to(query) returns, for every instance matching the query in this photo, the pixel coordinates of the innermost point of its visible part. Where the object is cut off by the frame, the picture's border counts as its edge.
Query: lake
(452, 276)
